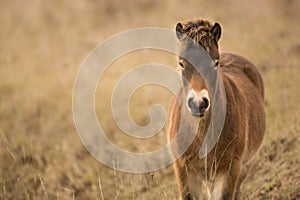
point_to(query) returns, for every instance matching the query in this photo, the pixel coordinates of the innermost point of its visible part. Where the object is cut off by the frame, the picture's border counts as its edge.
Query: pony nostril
(190, 102)
(204, 104)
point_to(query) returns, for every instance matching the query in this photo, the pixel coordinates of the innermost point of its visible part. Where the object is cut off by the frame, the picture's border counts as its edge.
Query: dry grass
(42, 46)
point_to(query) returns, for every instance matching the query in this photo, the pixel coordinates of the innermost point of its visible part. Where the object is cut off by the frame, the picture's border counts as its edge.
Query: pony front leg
(224, 188)
(182, 181)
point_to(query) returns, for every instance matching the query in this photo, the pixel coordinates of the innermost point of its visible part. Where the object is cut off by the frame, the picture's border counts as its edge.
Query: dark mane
(198, 30)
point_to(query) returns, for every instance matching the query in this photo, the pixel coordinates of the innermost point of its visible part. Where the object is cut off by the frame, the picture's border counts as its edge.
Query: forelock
(198, 30)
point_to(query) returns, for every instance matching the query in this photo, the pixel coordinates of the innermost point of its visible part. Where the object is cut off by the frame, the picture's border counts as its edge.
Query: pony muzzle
(198, 103)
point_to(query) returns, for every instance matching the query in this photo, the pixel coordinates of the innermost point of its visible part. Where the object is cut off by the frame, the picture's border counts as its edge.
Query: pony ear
(179, 31)
(216, 31)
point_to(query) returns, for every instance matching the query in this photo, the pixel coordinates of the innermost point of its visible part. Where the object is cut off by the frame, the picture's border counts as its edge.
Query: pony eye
(181, 64)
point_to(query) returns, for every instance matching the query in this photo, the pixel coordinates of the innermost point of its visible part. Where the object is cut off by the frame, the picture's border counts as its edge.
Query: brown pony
(244, 125)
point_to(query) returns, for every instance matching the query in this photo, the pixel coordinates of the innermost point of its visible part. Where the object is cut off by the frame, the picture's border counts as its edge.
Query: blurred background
(42, 44)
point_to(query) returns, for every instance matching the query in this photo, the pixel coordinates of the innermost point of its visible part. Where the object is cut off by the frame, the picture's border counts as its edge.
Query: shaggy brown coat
(225, 167)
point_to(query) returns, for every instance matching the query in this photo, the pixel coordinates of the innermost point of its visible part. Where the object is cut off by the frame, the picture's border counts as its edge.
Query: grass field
(42, 45)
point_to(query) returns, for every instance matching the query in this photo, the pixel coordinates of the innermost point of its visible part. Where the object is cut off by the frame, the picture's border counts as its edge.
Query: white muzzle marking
(197, 97)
